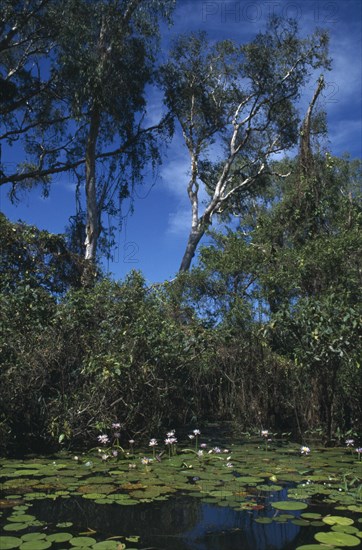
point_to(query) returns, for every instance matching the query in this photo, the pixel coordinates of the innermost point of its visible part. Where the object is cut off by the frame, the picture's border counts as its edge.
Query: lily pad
(345, 529)
(221, 493)
(264, 520)
(15, 526)
(301, 522)
(105, 545)
(271, 488)
(32, 536)
(21, 518)
(7, 543)
(339, 520)
(35, 545)
(311, 515)
(333, 538)
(82, 542)
(59, 537)
(248, 479)
(289, 505)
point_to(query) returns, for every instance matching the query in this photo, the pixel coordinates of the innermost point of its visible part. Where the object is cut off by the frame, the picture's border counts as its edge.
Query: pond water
(253, 496)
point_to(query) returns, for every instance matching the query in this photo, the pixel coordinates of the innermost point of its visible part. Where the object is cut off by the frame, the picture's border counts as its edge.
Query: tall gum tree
(103, 56)
(235, 105)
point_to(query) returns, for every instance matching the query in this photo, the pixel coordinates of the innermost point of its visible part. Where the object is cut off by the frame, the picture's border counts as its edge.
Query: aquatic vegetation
(280, 488)
(304, 450)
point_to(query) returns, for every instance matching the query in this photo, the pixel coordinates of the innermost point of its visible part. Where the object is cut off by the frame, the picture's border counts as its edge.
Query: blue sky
(153, 238)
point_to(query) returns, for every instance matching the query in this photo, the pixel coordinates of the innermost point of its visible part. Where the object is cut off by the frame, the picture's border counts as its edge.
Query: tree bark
(192, 243)
(93, 225)
(305, 154)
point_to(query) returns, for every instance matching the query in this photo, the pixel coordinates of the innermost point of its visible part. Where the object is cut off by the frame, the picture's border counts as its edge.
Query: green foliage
(291, 274)
(36, 258)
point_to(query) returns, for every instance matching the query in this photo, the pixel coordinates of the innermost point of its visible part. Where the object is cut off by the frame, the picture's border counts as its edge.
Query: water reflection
(180, 523)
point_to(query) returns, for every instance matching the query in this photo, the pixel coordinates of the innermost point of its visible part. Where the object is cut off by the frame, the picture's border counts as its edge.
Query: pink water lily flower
(103, 438)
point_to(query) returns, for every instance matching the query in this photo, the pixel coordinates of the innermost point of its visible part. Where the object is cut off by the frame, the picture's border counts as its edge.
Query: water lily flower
(350, 442)
(115, 453)
(76, 458)
(216, 450)
(200, 453)
(131, 441)
(103, 438)
(359, 452)
(264, 433)
(203, 445)
(145, 460)
(153, 443)
(304, 450)
(191, 436)
(229, 465)
(196, 432)
(171, 433)
(104, 457)
(116, 425)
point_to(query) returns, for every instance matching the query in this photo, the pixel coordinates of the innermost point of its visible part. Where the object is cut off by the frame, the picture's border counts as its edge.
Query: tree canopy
(236, 106)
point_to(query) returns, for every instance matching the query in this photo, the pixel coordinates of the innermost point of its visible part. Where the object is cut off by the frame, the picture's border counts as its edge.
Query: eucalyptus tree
(26, 89)
(236, 105)
(102, 58)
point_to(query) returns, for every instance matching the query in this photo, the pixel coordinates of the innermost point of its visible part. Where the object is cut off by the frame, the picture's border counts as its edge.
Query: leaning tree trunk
(195, 236)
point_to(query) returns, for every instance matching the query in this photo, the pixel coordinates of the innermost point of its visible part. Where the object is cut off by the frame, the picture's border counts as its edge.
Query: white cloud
(179, 222)
(175, 170)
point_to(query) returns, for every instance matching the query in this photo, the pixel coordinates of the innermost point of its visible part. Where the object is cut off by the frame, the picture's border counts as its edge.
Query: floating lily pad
(97, 488)
(355, 508)
(271, 488)
(65, 524)
(345, 529)
(21, 518)
(221, 493)
(15, 526)
(32, 536)
(264, 520)
(311, 515)
(317, 523)
(7, 543)
(333, 538)
(289, 505)
(105, 545)
(340, 520)
(59, 537)
(248, 479)
(82, 542)
(301, 522)
(35, 545)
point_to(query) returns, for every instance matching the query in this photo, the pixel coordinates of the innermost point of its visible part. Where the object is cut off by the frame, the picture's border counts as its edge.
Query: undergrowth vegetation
(265, 331)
